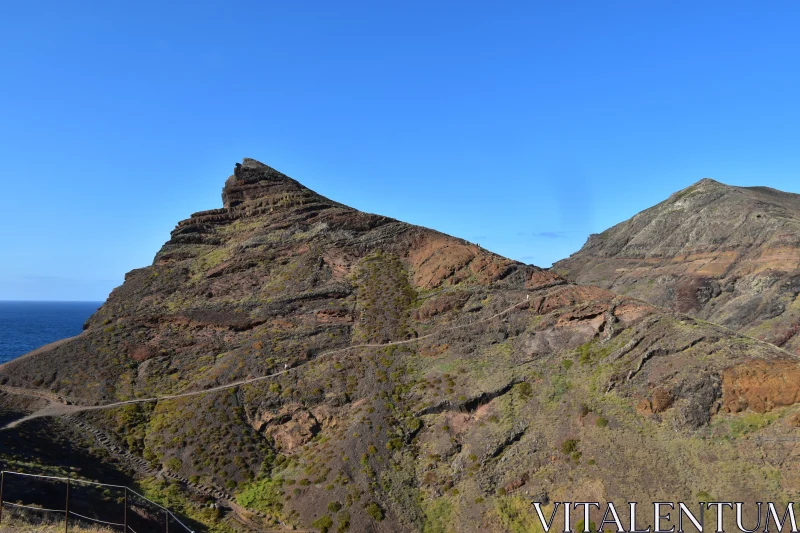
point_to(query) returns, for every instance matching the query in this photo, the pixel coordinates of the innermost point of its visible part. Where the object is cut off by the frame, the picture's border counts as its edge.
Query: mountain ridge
(416, 382)
(727, 254)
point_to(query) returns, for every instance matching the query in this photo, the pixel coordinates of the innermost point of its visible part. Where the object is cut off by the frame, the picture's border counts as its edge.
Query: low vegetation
(407, 381)
(17, 524)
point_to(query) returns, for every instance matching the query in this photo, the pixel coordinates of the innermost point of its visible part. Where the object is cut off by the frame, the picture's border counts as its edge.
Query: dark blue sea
(25, 326)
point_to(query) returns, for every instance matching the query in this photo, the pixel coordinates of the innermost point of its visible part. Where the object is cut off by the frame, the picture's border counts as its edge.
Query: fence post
(2, 484)
(125, 512)
(166, 522)
(66, 511)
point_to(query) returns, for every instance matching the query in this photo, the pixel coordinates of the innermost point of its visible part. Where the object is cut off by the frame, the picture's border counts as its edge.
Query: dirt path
(38, 393)
(59, 407)
(44, 348)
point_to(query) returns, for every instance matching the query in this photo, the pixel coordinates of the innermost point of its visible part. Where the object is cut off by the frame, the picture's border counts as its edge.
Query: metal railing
(136, 510)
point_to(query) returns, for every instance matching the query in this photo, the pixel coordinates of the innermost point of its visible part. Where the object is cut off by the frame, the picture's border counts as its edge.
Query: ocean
(25, 326)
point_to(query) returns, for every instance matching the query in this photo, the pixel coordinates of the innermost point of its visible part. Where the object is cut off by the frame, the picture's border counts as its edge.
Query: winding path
(57, 406)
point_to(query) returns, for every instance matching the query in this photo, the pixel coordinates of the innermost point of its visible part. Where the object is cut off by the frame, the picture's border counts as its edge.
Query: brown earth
(760, 386)
(392, 378)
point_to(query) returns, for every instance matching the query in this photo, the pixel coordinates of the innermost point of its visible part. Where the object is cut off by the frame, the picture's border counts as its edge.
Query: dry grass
(17, 524)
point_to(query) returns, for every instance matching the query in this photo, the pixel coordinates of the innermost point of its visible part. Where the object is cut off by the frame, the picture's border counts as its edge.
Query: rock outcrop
(408, 380)
(730, 255)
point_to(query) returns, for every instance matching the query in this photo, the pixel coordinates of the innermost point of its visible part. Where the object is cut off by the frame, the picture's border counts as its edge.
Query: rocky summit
(290, 363)
(730, 255)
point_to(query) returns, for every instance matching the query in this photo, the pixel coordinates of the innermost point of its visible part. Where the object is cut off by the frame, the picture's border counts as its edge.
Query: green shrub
(323, 523)
(525, 389)
(413, 424)
(744, 424)
(516, 515)
(174, 464)
(569, 446)
(264, 494)
(344, 521)
(704, 496)
(438, 514)
(374, 510)
(585, 353)
(394, 444)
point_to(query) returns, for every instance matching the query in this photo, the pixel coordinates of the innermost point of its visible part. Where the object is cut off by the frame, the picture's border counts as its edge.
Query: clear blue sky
(522, 126)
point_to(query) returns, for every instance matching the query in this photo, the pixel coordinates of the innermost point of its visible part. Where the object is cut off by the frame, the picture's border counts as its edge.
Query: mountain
(729, 255)
(306, 365)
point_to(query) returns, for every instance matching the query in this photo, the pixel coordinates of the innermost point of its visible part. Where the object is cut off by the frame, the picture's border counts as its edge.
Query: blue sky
(521, 126)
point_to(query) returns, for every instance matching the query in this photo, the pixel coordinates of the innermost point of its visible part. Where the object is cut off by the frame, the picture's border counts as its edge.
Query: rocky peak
(700, 191)
(724, 253)
(708, 182)
(252, 171)
(286, 335)
(253, 180)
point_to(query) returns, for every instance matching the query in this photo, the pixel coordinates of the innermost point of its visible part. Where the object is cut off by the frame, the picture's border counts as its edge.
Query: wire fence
(77, 501)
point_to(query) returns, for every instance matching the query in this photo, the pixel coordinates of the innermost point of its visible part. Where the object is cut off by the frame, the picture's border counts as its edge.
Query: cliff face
(420, 383)
(277, 257)
(730, 255)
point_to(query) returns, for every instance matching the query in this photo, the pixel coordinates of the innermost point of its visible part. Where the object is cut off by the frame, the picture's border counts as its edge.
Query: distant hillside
(413, 381)
(726, 254)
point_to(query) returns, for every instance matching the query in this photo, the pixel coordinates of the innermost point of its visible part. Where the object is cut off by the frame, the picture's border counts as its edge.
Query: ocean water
(25, 326)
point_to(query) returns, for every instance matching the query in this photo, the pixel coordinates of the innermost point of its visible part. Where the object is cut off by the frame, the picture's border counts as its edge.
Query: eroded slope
(727, 254)
(424, 384)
